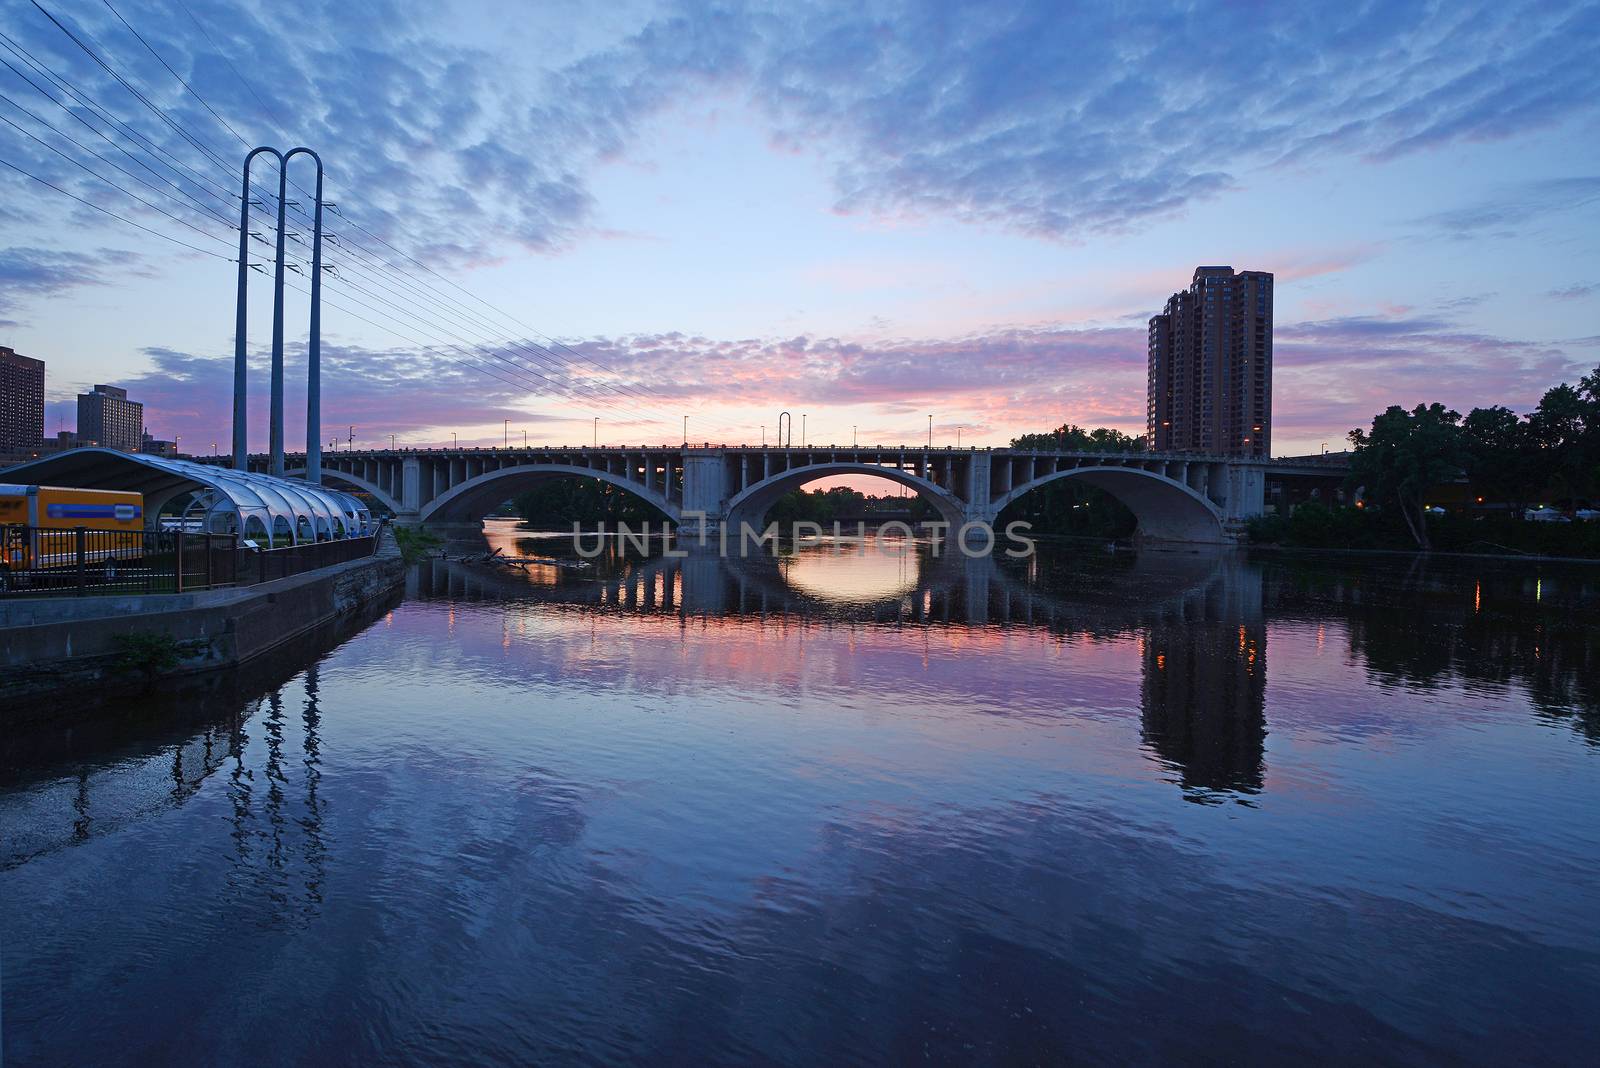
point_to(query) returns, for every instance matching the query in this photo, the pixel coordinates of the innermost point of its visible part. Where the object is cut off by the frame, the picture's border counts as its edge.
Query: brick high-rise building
(108, 418)
(21, 400)
(1210, 366)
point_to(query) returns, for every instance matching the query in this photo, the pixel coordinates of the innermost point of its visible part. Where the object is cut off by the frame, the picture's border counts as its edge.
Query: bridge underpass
(1176, 497)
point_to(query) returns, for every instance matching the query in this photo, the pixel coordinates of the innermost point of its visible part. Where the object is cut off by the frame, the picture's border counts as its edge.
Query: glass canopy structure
(271, 511)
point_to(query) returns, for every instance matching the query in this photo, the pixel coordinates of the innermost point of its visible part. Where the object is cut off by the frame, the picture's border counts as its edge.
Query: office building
(1210, 366)
(21, 401)
(108, 418)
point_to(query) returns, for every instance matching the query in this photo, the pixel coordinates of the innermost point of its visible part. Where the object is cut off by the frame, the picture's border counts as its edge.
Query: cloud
(1033, 116)
(32, 272)
(1329, 375)
(1576, 291)
(1512, 206)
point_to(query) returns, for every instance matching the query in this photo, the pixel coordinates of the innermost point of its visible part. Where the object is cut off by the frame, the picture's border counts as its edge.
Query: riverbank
(54, 647)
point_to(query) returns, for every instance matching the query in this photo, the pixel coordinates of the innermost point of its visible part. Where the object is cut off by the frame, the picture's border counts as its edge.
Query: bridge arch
(750, 505)
(1166, 509)
(469, 500)
(333, 474)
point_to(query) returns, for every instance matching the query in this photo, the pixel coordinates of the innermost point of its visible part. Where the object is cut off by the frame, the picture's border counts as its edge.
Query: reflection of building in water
(1203, 700)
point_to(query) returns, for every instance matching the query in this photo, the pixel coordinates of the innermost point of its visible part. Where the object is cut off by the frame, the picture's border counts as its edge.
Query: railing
(268, 564)
(42, 561)
(83, 562)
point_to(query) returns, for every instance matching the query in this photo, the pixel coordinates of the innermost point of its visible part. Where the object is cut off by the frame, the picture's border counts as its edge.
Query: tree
(1566, 427)
(1071, 438)
(1501, 456)
(1404, 455)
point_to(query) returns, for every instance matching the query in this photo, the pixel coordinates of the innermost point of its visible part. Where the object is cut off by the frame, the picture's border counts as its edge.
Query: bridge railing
(38, 562)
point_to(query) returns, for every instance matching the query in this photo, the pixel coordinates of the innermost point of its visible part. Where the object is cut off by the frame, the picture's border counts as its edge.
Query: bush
(148, 654)
(416, 543)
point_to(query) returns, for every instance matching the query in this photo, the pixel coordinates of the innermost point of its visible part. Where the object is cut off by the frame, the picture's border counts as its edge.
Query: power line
(110, 163)
(114, 215)
(90, 170)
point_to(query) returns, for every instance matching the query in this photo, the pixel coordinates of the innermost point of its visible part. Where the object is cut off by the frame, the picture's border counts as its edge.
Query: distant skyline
(865, 213)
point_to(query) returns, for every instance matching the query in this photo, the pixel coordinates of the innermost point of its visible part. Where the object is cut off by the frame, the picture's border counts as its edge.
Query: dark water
(843, 808)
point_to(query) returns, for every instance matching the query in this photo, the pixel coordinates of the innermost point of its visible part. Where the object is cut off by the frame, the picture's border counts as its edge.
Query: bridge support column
(705, 488)
(410, 494)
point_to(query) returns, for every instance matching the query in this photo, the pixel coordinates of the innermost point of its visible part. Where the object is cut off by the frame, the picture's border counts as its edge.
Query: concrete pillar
(705, 487)
(410, 489)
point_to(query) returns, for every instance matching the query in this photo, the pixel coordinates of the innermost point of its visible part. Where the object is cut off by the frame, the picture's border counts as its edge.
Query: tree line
(1550, 454)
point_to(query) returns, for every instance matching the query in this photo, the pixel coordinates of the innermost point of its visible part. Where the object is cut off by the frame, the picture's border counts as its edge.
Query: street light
(686, 431)
(958, 437)
(391, 443)
(524, 437)
(454, 441)
(505, 434)
(597, 431)
(852, 436)
(930, 431)
(802, 430)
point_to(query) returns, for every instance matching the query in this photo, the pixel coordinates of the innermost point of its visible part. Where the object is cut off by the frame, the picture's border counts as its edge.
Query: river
(854, 805)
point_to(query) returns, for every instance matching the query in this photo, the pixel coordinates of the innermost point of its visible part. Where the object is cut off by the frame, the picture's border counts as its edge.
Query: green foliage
(1552, 454)
(1501, 456)
(588, 502)
(1070, 438)
(1311, 526)
(1403, 456)
(1069, 508)
(842, 504)
(148, 654)
(415, 543)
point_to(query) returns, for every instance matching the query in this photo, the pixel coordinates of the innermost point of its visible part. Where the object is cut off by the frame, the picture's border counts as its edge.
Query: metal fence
(80, 561)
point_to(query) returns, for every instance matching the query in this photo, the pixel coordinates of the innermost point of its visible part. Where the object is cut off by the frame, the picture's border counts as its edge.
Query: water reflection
(730, 812)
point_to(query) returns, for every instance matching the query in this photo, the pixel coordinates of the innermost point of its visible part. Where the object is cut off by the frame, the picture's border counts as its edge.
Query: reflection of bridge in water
(1197, 620)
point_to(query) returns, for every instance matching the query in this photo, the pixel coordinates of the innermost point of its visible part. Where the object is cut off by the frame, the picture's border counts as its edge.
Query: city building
(154, 446)
(108, 418)
(21, 401)
(1210, 366)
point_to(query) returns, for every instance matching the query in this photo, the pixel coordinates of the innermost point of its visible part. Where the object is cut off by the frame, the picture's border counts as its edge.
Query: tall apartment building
(108, 418)
(21, 400)
(1210, 366)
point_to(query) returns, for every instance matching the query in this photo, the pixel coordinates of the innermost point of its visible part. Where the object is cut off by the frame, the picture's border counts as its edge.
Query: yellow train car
(38, 526)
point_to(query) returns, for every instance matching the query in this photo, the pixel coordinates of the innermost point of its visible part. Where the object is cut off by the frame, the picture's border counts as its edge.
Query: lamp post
(524, 437)
(597, 431)
(505, 434)
(391, 443)
(802, 430)
(454, 441)
(930, 431)
(686, 431)
(852, 436)
(958, 437)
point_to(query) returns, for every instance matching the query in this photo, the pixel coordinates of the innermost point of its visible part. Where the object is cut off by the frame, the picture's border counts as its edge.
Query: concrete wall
(52, 646)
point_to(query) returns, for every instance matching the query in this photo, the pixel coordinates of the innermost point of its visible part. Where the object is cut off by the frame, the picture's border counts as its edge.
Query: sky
(574, 222)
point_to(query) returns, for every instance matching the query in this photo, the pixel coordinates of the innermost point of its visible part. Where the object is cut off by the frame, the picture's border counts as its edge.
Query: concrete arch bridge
(1176, 497)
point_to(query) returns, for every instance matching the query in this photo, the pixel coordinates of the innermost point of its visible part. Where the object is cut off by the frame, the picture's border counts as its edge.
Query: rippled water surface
(852, 806)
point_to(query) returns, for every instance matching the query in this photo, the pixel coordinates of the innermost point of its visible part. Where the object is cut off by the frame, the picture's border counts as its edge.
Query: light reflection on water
(1092, 807)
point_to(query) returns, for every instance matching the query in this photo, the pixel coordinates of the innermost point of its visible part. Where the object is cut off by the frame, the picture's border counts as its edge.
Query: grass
(416, 543)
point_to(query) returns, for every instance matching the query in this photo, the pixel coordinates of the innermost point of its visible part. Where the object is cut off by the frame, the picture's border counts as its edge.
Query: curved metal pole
(314, 345)
(275, 416)
(241, 435)
(785, 418)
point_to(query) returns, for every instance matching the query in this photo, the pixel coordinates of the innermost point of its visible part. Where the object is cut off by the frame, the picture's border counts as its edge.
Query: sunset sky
(867, 213)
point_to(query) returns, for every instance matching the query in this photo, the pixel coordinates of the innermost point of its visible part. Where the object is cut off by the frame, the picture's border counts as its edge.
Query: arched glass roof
(283, 511)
